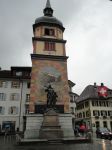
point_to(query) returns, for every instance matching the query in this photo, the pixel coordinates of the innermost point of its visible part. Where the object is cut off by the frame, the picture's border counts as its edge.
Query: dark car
(103, 133)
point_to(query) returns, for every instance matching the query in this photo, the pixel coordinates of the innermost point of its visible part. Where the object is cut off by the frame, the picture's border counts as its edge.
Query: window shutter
(111, 113)
(9, 110)
(52, 46)
(0, 83)
(18, 96)
(3, 110)
(46, 46)
(49, 46)
(16, 110)
(4, 98)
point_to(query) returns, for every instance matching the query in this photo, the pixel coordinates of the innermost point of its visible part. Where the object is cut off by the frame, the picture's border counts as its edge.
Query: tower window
(49, 32)
(49, 46)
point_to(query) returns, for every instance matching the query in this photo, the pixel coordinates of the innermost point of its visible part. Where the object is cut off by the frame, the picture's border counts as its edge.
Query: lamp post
(21, 85)
(19, 75)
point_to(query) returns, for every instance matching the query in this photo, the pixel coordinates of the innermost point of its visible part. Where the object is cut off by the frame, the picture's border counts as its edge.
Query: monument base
(35, 127)
(33, 124)
(50, 128)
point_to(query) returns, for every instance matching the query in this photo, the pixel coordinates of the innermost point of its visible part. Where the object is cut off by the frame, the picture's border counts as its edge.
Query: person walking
(82, 129)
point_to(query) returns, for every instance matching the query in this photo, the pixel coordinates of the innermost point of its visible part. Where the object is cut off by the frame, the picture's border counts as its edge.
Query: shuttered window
(49, 46)
(2, 96)
(49, 32)
(13, 110)
(3, 84)
(15, 96)
(15, 84)
(2, 110)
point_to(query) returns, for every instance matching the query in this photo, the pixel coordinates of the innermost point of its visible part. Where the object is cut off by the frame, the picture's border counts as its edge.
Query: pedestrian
(82, 129)
(6, 131)
(76, 130)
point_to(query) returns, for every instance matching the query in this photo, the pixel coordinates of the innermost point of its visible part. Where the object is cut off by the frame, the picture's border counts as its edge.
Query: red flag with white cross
(102, 91)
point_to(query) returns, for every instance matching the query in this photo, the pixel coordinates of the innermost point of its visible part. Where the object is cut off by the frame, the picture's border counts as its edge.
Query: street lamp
(19, 75)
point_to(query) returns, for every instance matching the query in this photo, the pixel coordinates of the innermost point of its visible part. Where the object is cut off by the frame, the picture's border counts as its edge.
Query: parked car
(103, 133)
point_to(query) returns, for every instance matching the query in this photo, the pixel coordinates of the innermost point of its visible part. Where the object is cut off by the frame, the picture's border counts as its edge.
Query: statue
(51, 97)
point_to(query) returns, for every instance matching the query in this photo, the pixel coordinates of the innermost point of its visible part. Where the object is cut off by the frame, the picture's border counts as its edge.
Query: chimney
(102, 84)
(95, 84)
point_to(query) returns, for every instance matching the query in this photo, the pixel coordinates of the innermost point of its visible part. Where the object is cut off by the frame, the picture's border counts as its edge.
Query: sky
(88, 25)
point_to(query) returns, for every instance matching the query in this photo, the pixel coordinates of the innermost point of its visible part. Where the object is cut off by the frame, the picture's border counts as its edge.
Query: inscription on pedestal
(40, 109)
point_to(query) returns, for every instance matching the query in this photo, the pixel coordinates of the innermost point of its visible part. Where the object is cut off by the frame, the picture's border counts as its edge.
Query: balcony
(97, 116)
(104, 117)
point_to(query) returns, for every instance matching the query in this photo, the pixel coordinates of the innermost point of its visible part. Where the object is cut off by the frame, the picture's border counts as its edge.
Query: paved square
(9, 143)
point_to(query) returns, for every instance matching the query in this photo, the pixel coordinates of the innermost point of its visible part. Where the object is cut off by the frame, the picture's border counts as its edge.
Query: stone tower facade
(49, 61)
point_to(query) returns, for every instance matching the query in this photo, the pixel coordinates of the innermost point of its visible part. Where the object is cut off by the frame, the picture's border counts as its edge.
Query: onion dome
(48, 18)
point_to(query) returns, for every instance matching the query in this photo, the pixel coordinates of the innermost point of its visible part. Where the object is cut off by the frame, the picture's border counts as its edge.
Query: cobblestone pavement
(9, 143)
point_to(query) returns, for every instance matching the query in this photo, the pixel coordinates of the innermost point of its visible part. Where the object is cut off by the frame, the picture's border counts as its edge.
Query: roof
(12, 73)
(20, 68)
(90, 92)
(71, 84)
(48, 17)
(5, 73)
(76, 95)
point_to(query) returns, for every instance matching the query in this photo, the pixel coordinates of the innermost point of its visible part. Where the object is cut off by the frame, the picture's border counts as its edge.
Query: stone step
(55, 142)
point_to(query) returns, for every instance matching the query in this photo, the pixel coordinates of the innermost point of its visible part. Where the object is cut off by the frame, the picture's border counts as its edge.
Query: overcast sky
(88, 33)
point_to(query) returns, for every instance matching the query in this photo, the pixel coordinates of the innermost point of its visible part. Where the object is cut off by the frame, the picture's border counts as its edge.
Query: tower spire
(48, 5)
(48, 11)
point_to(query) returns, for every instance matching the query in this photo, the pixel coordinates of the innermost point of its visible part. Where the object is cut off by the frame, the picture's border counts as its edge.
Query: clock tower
(49, 62)
(49, 68)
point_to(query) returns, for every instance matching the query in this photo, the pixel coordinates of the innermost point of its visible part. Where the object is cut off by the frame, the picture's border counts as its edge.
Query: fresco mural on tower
(50, 76)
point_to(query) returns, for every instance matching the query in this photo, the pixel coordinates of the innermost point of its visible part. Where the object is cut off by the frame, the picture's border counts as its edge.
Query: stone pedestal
(50, 128)
(35, 122)
(33, 125)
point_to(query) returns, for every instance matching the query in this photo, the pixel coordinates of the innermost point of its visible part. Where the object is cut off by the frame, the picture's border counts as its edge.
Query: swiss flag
(102, 91)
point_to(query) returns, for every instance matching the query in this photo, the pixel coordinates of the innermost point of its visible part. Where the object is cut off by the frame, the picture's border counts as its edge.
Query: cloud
(89, 45)
(88, 33)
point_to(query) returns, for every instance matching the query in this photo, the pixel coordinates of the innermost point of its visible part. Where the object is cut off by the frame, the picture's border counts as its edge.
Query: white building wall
(20, 103)
(108, 119)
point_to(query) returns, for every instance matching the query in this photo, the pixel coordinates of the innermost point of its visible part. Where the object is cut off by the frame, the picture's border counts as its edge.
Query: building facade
(94, 107)
(14, 97)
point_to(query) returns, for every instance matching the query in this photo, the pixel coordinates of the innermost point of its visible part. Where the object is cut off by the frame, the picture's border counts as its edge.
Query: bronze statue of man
(51, 97)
